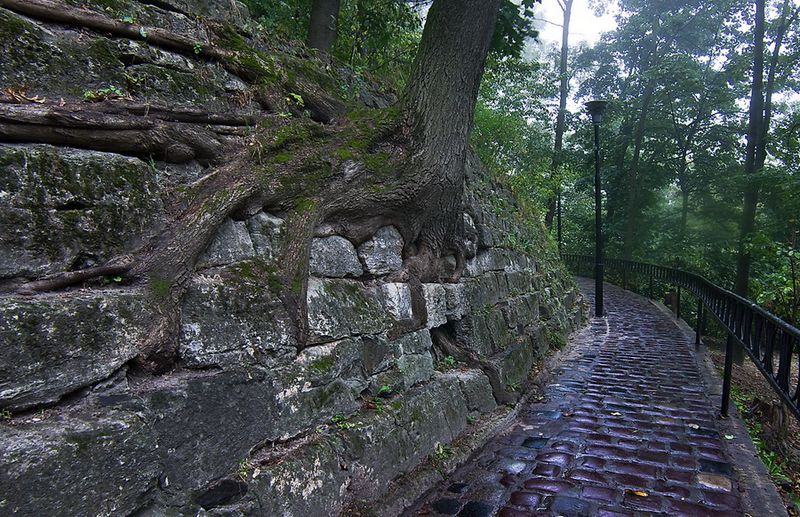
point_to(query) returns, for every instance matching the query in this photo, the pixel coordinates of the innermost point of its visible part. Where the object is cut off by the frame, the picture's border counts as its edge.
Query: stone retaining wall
(247, 424)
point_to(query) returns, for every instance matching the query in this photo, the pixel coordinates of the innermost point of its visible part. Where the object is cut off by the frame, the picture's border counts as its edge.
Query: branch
(114, 267)
(551, 23)
(126, 134)
(60, 12)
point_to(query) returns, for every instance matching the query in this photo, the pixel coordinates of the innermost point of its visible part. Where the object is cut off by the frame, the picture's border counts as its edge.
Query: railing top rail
(736, 314)
(784, 325)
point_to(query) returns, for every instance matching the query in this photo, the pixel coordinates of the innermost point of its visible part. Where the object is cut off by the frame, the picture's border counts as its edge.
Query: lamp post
(596, 110)
(558, 216)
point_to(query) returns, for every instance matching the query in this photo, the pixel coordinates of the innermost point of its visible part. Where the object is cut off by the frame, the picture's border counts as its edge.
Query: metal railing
(768, 341)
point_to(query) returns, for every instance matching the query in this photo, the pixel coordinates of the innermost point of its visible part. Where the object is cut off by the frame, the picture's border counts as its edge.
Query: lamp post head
(596, 110)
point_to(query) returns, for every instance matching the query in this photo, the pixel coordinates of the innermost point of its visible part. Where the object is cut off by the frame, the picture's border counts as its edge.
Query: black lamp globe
(596, 109)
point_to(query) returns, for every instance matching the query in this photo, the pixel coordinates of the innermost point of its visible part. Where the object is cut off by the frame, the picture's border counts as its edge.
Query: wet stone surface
(625, 429)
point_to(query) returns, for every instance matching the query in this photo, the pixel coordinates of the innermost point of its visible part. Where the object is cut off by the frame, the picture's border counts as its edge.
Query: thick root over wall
(330, 168)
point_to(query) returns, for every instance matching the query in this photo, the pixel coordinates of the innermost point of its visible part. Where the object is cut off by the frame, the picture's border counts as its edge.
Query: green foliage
(244, 470)
(343, 422)
(385, 391)
(109, 92)
(378, 38)
(282, 18)
(512, 129)
(555, 338)
(742, 400)
(672, 145)
(441, 453)
(447, 363)
(377, 404)
(514, 26)
(375, 38)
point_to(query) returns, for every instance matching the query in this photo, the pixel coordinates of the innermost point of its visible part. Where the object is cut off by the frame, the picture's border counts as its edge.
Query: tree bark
(439, 109)
(323, 24)
(684, 213)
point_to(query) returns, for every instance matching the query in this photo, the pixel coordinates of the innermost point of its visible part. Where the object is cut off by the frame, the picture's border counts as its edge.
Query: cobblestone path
(625, 429)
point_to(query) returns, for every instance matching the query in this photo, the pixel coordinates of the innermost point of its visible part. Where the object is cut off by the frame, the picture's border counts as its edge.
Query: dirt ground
(775, 432)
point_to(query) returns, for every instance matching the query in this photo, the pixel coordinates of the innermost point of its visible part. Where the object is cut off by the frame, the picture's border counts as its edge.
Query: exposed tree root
(400, 167)
(76, 126)
(450, 347)
(60, 12)
(117, 266)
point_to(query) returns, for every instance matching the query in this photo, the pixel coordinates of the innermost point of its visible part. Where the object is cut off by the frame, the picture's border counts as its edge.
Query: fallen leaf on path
(693, 426)
(616, 413)
(729, 437)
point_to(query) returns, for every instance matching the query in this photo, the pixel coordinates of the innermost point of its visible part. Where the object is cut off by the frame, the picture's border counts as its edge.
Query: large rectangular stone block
(53, 344)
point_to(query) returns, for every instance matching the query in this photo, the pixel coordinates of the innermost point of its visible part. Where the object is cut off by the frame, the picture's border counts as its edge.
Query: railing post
(698, 335)
(726, 376)
(650, 283)
(678, 304)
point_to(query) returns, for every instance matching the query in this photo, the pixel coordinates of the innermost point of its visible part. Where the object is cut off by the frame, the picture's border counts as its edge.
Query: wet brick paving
(625, 429)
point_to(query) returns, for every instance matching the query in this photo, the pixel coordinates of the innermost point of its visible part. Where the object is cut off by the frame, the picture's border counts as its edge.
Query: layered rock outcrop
(249, 422)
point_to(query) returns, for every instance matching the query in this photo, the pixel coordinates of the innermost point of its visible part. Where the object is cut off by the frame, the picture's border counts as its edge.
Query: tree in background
(322, 24)
(760, 117)
(561, 117)
(680, 73)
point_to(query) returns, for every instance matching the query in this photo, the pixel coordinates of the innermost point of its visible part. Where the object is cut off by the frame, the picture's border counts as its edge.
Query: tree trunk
(634, 179)
(439, 109)
(323, 23)
(684, 213)
(563, 93)
(755, 137)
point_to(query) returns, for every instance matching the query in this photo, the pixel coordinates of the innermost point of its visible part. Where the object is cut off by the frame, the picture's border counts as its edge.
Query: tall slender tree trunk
(755, 136)
(563, 93)
(684, 213)
(323, 24)
(758, 130)
(634, 179)
(615, 197)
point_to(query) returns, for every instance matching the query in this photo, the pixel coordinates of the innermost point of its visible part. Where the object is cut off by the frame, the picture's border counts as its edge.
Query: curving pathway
(625, 429)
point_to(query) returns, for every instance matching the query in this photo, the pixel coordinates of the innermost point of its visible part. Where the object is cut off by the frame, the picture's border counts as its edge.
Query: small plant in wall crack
(101, 94)
(385, 391)
(447, 363)
(342, 422)
(441, 453)
(244, 470)
(376, 404)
